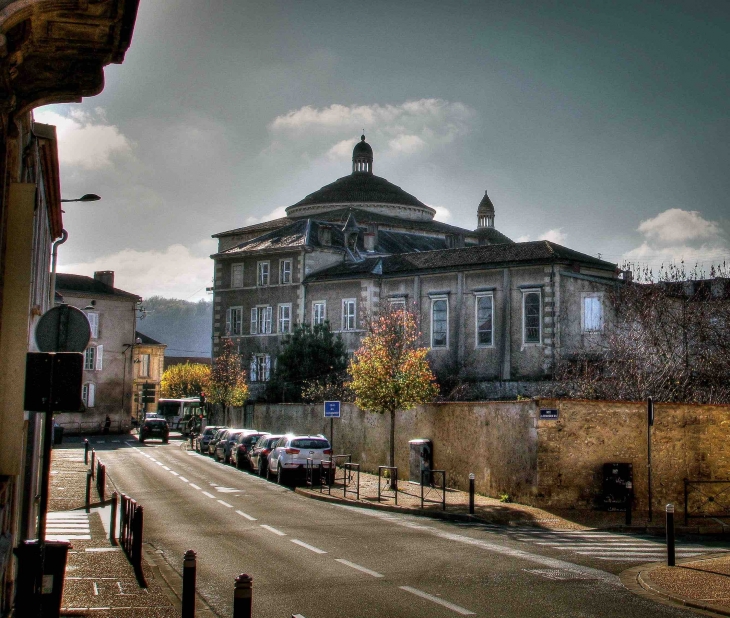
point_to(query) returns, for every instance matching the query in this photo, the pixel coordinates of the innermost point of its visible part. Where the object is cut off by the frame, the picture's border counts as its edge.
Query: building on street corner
(149, 365)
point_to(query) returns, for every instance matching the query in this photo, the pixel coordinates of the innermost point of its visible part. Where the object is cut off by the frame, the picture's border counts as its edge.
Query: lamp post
(89, 197)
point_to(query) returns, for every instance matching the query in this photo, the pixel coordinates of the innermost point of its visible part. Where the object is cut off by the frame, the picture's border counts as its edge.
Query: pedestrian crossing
(68, 525)
(608, 546)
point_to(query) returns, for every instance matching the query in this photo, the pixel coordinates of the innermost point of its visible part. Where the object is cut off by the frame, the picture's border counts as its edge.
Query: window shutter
(252, 377)
(254, 321)
(228, 322)
(90, 397)
(267, 366)
(268, 320)
(94, 324)
(99, 356)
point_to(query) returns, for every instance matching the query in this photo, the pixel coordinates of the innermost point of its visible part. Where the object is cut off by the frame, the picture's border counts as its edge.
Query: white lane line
(246, 515)
(352, 565)
(150, 457)
(184, 480)
(191, 453)
(274, 530)
(316, 550)
(159, 463)
(165, 468)
(175, 473)
(230, 506)
(194, 486)
(433, 599)
(205, 493)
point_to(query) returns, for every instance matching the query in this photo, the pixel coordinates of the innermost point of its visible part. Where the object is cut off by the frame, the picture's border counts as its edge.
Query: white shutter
(254, 321)
(252, 377)
(90, 396)
(94, 324)
(267, 367)
(267, 322)
(99, 356)
(228, 322)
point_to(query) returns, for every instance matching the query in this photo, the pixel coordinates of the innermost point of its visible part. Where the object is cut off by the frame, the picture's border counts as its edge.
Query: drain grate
(559, 574)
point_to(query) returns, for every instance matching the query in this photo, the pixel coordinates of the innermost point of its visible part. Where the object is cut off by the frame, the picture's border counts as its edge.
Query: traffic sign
(63, 329)
(332, 409)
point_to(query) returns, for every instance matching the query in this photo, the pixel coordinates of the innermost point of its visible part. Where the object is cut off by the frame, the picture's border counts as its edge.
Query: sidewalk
(100, 581)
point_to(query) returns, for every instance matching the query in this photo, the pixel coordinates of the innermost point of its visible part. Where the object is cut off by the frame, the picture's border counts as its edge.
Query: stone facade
(149, 365)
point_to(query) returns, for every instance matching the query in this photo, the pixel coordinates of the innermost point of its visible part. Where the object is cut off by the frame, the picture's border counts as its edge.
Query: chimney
(105, 276)
(369, 241)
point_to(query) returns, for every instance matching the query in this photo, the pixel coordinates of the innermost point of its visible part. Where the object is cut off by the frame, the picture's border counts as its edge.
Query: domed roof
(485, 206)
(362, 149)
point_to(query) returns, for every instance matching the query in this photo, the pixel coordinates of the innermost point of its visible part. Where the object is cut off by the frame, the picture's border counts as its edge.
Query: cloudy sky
(600, 125)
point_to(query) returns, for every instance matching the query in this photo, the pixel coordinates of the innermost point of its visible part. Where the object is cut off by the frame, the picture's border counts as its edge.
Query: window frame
(525, 293)
(477, 297)
(263, 275)
(234, 267)
(264, 317)
(230, 322)
(280, 319)
(263, 362)
(598, 296)
(93, 323)
(90, 358)
(88, 394)
(434, 300)
(144, 365)
(283, 271)
(323, 304)
(346, 315)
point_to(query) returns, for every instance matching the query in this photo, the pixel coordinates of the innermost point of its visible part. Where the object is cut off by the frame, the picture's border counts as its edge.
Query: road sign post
(332, 411)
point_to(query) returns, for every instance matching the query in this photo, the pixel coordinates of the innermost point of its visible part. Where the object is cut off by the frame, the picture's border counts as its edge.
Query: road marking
(358, 567)
(194, 486)
(159, 463)
(183, 479)
(191, 453)
(165, 467)
(173, 472)
(246, 515)
(230, 506)
(205, 493)
(433, 599)
(316, 550)
(103, 549)
(150, 457)
(274, 530)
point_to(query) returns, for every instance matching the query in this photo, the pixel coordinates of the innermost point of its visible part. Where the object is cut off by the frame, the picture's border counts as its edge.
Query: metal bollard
(629, 501)
(188, 589)
(243, 596)
(86, 452)
(113, 519)
(471, 493)
(670, 535)
(88, 490)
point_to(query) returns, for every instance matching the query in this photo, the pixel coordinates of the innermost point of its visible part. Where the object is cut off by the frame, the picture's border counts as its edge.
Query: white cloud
(442, 213)
(675, 226)
(277, 213)
(174, 272)
(85, 139)
(555, 235)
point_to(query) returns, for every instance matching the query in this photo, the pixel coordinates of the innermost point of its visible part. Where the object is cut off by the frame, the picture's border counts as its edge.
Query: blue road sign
(548, 414)
(332, 409)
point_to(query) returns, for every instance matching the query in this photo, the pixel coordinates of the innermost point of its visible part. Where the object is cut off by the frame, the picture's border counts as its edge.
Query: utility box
(47, 604)
(420, 460)
(615, 494)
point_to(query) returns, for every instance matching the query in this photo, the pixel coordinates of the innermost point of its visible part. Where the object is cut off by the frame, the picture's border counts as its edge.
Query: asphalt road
(322, 560)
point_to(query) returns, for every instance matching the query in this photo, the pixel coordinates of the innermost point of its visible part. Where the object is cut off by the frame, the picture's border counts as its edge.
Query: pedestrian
(107, 424)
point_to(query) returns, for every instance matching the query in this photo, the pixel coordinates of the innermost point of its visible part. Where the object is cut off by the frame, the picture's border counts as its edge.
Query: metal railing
(131, 526)
(706, 499)
(348, 469)
(390, 487)
(429, 487)
(323, 471)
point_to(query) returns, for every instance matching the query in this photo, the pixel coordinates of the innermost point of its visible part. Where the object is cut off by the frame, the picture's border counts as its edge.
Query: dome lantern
(362, 157)
(485, 213)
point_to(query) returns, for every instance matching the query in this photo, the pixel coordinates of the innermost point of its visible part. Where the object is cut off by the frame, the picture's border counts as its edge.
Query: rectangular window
(398, 304)
(90, 359)
(263, 274)
(234, 321)
(284, 271)
(531, 316)
(319, 312)
(87, 394)
(485, 320)
(592, 313)
(144, 365)
(285, 318)
(94, 324)
(439, 323)
(260, 368)
(348, 314)
(261, 320)
(237, 276)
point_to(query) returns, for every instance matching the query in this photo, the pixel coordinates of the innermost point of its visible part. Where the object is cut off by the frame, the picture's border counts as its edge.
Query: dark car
(154, 428)
(241, 447)
(225, 445)
(258, 456)
(201, 444)
(213, 442)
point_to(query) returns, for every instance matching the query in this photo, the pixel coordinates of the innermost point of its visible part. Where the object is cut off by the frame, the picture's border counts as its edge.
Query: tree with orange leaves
(389, 371)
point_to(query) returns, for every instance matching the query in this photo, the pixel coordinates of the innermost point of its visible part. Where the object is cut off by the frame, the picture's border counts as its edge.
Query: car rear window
(155, 423)
(310, 443)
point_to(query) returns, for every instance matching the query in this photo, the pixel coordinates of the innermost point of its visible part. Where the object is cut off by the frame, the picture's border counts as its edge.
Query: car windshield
(209, 431)
(310, 443)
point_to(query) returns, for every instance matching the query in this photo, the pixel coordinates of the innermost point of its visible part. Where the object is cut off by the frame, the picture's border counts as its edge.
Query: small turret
(485, 213)
(362, 157)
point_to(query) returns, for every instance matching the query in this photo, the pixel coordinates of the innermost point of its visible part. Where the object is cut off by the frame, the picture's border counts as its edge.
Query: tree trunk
(391, 455)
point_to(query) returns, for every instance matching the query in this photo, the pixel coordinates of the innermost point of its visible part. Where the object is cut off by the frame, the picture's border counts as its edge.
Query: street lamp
(89, 197)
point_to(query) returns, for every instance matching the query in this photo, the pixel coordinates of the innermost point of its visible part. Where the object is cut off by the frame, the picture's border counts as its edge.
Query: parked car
(213, 442)
(290, 455)
(201, 444)
(225, 445)
(154, 428)
(244, 443)
(258, 455)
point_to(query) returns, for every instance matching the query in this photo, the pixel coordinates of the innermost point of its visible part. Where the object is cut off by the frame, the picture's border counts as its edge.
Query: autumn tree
(389, 372)
(228, 378)
(185, 380)
(312, 363)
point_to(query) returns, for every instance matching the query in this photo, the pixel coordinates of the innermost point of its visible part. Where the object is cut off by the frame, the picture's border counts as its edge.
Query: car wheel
(261, 468)
(280, 475)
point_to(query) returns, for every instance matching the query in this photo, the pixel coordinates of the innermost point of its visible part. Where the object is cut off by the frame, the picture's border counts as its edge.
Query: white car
(291, 453)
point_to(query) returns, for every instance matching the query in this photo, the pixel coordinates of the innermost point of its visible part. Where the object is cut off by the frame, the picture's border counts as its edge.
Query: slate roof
(144, 339)
(360, 188)
(291, 236)
(541, 251)
(492, 235)
(79, 283)
(264, 226)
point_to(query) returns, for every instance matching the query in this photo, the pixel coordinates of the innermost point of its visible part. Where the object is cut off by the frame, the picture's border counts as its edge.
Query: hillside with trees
(183, 325)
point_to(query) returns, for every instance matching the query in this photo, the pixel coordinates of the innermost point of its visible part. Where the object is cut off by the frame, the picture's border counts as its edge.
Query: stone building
(149, 365)
(50, 52)
(109, 358)
(491, 310)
